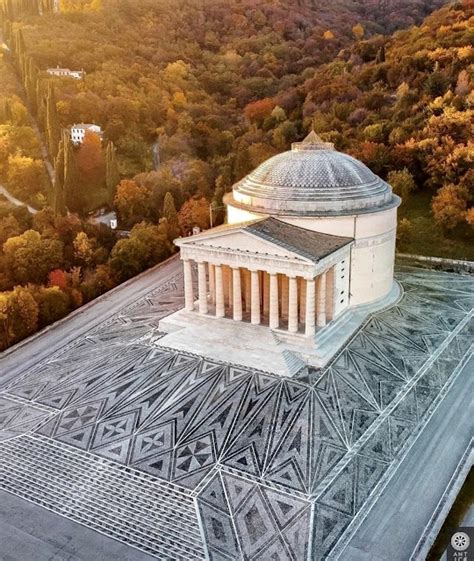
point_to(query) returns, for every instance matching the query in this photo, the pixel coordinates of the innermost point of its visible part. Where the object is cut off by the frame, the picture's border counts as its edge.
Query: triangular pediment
(238, 239)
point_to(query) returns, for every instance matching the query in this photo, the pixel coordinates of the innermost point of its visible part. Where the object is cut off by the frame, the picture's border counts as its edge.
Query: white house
(79, 130)
(66, 72)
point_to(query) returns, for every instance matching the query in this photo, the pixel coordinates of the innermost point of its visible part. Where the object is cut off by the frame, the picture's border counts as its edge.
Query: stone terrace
(185, 458)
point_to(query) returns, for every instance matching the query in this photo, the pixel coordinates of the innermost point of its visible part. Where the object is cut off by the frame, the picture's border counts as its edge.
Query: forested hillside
(191, 96)
(185, 72)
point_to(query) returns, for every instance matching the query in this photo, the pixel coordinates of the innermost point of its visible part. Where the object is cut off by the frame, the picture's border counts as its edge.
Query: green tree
(73, 195)
(402, 183)
(112, 175)
(29, 257)
(53, 304)
(22, 314)
(147, 245)
(169, 212)
(53, 127)
(59, 196)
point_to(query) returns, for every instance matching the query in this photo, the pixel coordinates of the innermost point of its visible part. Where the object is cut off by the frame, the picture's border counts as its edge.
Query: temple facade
(308, 246)
(267, 272)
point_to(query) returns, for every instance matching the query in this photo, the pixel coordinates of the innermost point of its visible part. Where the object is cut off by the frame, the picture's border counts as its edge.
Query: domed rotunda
(307, 251)
(317, 188)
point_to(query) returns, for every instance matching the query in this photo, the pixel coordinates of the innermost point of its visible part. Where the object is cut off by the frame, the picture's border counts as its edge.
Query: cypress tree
(72, 192)
(380, 55)
(59, 199)
(112, 175)
(53, 129)
(169, 212)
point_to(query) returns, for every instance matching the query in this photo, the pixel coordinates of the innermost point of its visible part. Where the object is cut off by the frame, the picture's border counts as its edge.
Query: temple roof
(308, 244)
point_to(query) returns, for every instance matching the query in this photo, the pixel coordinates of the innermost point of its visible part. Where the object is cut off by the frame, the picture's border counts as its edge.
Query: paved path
(413, 493)
(16, 201)
(63, 332)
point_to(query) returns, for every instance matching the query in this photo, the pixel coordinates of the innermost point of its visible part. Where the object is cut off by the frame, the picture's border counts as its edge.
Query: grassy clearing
(428, 238)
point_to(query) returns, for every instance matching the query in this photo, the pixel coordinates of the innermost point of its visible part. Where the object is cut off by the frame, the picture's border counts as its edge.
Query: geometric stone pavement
(279, 468)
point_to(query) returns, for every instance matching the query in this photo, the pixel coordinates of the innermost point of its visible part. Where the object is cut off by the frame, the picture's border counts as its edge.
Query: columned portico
(285, 292)
(309, 238)
(307, 305)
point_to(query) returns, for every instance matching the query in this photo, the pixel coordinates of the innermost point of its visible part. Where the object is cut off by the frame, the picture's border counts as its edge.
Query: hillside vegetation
(211, 90)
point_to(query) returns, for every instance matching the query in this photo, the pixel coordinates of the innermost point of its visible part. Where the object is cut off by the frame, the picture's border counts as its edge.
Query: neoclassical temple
(308, 246)
(268, 273)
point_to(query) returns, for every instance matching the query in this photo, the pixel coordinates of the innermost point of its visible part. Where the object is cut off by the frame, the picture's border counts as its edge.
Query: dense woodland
(192, 96)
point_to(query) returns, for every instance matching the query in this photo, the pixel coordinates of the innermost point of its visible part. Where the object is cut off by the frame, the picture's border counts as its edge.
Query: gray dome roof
(312, 178)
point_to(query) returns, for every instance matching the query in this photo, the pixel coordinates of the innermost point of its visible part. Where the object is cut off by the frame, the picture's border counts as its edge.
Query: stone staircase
(153, 516)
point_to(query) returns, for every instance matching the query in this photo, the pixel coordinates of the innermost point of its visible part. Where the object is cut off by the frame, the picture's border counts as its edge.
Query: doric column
(188, 285)
(310, 307)
(302, 299)
(293, 306)
(212, 284)
(274, 319)
(237, 294)
(229, 287)
(266, 293)
(255, 312)
(248, 290)
(225, 285)
(321, 312)
(284, 296)
(202, 288)
(220, 307)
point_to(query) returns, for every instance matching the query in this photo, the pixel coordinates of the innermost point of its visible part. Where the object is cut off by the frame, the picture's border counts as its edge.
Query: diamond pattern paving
(277, 468)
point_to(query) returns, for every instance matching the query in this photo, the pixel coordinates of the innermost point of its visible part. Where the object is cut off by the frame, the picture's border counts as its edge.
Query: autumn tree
(358, 31)
(22, 314)
(194, 212)
(9, 227)
(402, 183)
(131, 202)
(90, 161)
(26, 176)
(53, 304)
(75, 195)
(84, 249)
(59, 196)
(449, 206)
(258, 111)
(53, 128)
(29, 257)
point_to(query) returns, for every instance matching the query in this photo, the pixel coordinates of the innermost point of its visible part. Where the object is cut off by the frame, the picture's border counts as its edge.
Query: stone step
(134, 508)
